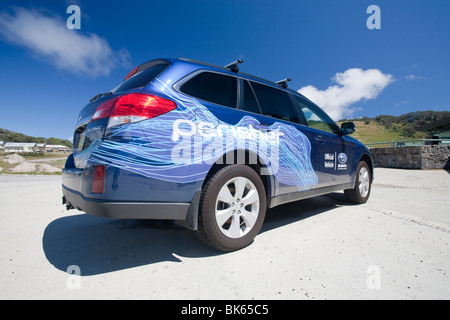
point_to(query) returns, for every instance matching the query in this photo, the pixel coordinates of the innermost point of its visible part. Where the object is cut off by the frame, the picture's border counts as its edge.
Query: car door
(332, 154)
(293, 169)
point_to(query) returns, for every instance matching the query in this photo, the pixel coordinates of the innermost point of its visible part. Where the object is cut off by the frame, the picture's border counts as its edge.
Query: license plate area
(81, 140)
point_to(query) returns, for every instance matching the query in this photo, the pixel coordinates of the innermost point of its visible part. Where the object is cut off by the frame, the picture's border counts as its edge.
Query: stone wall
(412, 157)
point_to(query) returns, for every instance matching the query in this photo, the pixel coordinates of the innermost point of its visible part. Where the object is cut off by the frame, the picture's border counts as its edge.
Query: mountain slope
(11, 136)
(385, 128)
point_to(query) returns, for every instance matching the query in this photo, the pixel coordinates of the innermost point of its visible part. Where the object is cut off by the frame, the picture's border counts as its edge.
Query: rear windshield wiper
(100, 95)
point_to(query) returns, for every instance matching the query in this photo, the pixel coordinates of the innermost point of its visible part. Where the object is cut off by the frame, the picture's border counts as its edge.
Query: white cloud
(349, 87)
(412, 77)
(402, 103)
(70, 50)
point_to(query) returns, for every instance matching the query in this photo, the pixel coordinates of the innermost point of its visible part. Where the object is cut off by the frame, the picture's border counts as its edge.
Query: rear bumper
(130, 196)
(126, 210)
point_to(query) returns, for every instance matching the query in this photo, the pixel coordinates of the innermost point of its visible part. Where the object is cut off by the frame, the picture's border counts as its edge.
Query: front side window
(315, 117)
(275, 103)
(212, 87)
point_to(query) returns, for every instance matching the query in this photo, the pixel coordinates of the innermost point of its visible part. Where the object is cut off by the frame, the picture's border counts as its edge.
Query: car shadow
(99, 245)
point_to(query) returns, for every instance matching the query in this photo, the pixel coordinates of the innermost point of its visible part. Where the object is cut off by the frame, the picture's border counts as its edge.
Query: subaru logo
(342, 158)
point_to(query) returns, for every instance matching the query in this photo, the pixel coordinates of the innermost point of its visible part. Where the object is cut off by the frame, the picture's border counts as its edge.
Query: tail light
(98, 184)
(133, 107)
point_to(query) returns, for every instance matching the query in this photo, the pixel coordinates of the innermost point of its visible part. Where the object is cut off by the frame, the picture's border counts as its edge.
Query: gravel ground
(394, 247)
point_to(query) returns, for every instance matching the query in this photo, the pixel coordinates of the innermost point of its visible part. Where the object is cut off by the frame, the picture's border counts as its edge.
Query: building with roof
(41, 147)
(20, 147)
(57, 148)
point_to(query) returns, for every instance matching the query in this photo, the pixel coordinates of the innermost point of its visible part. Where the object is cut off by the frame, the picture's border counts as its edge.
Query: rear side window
(143, 78)
(275, 103)
(213, 87)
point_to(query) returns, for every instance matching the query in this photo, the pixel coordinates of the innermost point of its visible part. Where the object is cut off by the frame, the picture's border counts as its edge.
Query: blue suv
(209, 147)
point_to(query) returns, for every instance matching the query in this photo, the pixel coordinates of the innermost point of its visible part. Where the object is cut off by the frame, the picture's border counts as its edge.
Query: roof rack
(283, 82)
(234, 65)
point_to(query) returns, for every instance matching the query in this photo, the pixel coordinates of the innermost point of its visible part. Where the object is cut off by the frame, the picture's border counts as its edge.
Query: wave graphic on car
(187, 141)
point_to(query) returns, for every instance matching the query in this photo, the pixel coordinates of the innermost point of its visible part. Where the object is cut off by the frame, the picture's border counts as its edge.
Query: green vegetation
(11, 136)
(394, 128)
(371, 132)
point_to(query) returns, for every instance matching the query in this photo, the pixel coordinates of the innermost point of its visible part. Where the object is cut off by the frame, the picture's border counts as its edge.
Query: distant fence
(403, 143)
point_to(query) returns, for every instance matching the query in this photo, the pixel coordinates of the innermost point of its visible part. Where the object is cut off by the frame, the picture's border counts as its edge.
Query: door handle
(319, 139)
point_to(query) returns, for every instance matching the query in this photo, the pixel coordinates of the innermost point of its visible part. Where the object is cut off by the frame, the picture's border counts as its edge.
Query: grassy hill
(372, 132)
(11, 136)
(385, 128)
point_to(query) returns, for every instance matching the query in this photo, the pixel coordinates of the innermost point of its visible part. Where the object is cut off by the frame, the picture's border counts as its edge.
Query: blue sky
(50, 72)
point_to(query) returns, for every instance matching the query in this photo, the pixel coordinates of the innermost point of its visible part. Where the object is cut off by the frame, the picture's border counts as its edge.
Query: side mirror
(347, 128)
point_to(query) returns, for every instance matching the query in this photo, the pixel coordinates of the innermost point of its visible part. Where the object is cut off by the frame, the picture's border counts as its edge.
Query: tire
(363, 185)
(232, 208)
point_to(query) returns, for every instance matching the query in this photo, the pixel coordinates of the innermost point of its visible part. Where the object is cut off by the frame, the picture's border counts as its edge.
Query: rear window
(212, 87)
(143, 78)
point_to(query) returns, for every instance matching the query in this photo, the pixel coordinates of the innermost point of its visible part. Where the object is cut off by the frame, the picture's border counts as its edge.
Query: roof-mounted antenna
(283, 82)
(234, 65)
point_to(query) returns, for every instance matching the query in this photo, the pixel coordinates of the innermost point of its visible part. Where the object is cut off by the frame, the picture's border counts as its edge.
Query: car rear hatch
(86, 130)
(125, 104)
